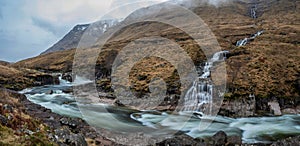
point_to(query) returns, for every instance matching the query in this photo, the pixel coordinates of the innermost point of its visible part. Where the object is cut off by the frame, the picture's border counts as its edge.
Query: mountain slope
(71, 39)
(268, 67)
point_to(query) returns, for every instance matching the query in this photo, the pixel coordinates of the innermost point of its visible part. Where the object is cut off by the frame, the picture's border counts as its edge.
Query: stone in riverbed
(49, 92)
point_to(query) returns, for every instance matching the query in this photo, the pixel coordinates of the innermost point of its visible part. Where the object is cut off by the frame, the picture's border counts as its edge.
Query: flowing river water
(252, 130)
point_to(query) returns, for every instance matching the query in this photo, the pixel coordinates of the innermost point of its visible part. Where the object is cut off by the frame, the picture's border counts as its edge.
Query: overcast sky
(28, 27)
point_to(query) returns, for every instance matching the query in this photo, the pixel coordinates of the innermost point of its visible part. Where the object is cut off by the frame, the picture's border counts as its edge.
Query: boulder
(220, 138)
(275, 108)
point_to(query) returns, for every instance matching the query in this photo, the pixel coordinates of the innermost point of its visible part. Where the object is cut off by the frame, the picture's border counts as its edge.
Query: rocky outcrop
(242, 107)
(21, 78)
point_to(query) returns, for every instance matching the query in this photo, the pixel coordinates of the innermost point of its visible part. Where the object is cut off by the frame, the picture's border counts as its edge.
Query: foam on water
(201, 93)
(81, 81)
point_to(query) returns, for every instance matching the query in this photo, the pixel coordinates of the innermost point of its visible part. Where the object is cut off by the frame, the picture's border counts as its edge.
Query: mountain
(267, 67)
(71, 39)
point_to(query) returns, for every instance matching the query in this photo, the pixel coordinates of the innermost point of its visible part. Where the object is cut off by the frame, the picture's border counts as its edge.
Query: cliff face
(267, 67)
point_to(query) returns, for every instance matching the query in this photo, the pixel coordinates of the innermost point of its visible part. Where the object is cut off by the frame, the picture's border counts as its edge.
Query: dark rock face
(67, 77)
(242, 107)
(45, 80)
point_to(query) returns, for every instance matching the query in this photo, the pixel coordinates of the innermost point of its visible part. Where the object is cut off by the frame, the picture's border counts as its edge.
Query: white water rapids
(252, 130)
(201, 92)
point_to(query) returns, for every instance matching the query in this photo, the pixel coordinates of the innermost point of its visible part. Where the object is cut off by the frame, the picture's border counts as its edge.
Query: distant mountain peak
(72, 38)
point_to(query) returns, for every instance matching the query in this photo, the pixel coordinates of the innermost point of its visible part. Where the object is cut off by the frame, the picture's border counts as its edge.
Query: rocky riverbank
(62, 130)
(24, 120)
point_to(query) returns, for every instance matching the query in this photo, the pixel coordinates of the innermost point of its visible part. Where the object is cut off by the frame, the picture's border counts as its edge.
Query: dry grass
(268, 66)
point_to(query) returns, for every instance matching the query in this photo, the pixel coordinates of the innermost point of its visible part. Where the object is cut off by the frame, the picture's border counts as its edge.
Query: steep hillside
(268, 66)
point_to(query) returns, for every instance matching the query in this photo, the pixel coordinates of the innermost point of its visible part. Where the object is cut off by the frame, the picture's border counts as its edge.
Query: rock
(44, 79)
(181, 140)
(3, 120)
(49, 92)
(220, 138)
(275, 108)
(69, 122)
(289, 111)
(65, 136)
(234, 140)
(29, 132)
(242, 107)
(8, 108)
(68, 90)
(291, 141)
(67, 77)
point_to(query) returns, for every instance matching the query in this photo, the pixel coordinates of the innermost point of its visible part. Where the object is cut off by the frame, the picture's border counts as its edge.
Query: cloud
(191, 3)
(28, 27)
(48, 26)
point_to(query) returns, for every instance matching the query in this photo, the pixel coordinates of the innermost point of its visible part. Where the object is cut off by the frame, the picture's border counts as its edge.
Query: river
(252, 129)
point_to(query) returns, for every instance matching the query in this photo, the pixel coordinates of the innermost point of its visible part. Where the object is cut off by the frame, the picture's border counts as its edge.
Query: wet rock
(290, 111)
(291, 141)
(67, 77)
(69, 122)
(8, 108)
(64, 136)
(3, 120)
(68, 90)
(44, 79)
(181, 140)
(275, 108)
(234, 140)
(220, 138)
(49, 92)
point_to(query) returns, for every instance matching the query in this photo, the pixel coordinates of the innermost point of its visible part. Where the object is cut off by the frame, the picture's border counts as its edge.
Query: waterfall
(201, 92)
(63, 82)
(244, 41)
(253, 12)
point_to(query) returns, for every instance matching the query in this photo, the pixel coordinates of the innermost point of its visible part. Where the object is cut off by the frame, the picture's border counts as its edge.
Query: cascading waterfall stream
(201, 93)
(243, 42)
(253, 12)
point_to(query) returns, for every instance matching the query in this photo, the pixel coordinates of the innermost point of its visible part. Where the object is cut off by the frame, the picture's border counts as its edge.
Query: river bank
(237, 130)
